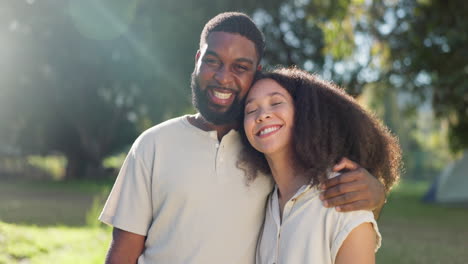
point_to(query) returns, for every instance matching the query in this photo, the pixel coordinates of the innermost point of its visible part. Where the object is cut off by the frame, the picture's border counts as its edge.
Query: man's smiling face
(224, 70)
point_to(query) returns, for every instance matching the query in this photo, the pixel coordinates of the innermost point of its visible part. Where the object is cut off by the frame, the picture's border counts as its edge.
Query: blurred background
(79, 80)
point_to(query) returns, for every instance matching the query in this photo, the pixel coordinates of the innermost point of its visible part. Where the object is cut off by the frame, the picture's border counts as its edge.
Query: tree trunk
(83, 167)
(75, 167)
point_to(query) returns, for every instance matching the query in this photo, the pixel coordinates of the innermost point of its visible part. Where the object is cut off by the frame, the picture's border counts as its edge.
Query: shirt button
(217, 145)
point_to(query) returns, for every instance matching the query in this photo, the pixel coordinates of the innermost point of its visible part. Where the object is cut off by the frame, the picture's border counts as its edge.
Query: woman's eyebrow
(269, 95)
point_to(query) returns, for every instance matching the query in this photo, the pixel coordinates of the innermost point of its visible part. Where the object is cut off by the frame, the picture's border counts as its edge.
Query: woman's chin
(269, 150)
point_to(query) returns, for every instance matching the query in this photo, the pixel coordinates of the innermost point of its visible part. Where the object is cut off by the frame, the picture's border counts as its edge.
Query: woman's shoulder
(345, 222)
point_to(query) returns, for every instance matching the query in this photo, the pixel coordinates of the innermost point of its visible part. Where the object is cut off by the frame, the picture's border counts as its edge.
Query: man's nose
(223, 75)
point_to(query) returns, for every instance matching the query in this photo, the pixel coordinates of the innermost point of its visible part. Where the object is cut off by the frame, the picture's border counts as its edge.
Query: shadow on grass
(49, 203)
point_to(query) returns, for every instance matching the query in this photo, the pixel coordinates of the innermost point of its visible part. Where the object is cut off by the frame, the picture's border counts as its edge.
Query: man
(179, 197)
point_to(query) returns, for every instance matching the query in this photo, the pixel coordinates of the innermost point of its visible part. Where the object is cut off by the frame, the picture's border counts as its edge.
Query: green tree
(427, 56)
(319, 36)
(84, 77)
(65, 93)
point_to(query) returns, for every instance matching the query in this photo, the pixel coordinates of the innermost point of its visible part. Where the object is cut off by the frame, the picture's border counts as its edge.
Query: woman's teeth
(268, 130)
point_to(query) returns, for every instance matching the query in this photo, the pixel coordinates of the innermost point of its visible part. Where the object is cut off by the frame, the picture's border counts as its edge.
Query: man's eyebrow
(249, 61)
(212, 53)
(269, 95)
(246, 60)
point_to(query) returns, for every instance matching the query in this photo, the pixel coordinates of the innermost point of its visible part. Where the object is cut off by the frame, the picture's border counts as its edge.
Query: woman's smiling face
(269, 117)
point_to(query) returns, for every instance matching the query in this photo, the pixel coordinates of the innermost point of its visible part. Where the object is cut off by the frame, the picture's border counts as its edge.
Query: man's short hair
(238, 23)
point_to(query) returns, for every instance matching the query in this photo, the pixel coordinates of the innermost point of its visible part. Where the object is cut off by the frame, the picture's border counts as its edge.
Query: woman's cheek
(248, 128)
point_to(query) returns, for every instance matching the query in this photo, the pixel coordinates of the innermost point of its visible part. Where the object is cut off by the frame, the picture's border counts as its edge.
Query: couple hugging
(277, 167)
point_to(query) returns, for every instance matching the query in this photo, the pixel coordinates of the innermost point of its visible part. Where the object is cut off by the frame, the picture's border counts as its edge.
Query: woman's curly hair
(328, 125)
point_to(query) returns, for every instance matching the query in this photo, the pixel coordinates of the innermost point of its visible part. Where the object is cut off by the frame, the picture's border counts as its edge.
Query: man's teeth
(222, 95)
(269, 130)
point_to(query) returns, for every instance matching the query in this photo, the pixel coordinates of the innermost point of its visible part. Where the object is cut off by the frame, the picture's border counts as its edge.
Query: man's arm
(353, 190)
(125, 247)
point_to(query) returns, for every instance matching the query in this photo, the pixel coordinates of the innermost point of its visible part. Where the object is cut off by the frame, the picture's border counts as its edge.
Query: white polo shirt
(308, 232)
(180, 187)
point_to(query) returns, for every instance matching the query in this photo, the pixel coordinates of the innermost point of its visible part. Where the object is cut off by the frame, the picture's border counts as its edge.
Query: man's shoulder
(173, 123)
(159, 132)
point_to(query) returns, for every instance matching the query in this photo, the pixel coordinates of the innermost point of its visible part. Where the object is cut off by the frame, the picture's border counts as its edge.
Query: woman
(299, 126)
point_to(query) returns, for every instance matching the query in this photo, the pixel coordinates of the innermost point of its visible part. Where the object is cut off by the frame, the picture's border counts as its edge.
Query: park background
(79, 81)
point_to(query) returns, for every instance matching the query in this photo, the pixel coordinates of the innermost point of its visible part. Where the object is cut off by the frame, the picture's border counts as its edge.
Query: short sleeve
(348, 221)
(129, 205)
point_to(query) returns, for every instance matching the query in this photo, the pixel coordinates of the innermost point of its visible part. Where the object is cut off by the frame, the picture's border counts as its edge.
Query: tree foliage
(83, 78)
(66, 93)
(318, 36)
(427, 56)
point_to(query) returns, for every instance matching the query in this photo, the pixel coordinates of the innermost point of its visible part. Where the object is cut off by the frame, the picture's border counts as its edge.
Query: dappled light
(102, 20)
(80, 80)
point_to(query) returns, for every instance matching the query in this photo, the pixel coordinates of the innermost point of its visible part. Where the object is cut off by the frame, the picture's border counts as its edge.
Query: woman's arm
(358, 247)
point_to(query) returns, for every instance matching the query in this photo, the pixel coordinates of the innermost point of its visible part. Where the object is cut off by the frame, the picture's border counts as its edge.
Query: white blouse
(308, 232)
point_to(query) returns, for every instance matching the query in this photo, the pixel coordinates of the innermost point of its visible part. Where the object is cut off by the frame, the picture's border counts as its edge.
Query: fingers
(355, 189)
(341, 189)
(348, 202)
(345, 164)
(343, 199)
(354, 206)
(343, 178)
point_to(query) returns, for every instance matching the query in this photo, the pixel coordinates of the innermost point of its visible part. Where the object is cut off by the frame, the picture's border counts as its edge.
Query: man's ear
(259, 67)
(197, 57)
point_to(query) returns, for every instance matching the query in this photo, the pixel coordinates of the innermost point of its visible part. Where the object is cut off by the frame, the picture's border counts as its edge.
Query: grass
(415, 232)
(52, 222)
(47, 203)
(41, 245)
(46, 222)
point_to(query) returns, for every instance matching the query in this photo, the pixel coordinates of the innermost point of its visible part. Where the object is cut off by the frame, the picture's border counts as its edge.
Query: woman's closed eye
(276, 99)
(276, 102)
(250, 111)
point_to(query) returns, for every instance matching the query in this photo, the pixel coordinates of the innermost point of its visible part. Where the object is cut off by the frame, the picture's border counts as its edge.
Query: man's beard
(201, 103)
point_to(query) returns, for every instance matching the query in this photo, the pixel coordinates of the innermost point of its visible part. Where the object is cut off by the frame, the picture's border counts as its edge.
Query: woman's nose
(263, 115)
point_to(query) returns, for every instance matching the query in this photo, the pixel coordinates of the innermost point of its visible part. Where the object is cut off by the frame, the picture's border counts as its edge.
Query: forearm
(382, 200)
(377, 211)
(125, 248)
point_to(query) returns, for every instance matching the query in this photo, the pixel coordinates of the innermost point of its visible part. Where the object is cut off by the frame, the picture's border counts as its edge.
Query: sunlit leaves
(339, 38)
